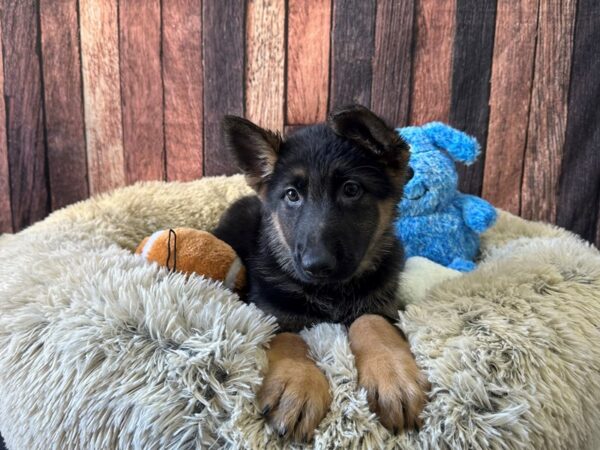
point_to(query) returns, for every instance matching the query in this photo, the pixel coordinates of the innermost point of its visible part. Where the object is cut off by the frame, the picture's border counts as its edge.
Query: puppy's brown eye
(352, 189)
(292, 195)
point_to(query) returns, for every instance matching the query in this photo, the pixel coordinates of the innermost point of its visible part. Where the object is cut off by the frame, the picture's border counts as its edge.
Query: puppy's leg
(295, 393)
(396, 389)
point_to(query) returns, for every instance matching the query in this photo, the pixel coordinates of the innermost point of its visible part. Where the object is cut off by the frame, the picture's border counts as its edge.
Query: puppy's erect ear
(357, 123)
(254, 148)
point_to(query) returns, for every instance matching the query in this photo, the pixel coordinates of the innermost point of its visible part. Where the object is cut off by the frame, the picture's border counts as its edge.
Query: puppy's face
(329, 191)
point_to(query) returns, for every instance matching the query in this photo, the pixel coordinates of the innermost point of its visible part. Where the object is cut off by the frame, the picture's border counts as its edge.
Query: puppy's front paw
(295, 398)
(396, 388)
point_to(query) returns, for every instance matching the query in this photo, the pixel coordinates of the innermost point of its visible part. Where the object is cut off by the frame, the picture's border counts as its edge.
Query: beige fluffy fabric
(100, 349)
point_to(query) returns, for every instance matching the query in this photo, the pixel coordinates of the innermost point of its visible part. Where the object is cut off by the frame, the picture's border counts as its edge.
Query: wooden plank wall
(102, 93)
(65, 127)
(24, 113)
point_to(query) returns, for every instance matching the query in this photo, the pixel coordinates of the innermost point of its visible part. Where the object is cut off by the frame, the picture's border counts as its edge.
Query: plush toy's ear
(461, 146)
(357, 123)
(254, 148)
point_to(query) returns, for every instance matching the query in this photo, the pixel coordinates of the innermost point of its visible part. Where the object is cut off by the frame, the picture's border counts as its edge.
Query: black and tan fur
(319, 246)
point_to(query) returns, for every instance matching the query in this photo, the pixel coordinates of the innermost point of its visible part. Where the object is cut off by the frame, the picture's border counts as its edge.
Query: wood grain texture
(512, 73)
(265, 59)
(63, 99)
(182, 75)
(309, 26)
(101, 93)
(579, 185)
(471, 72)
(101, 90)
(141, 89)
(392, 62)
(6, 225)
(352, 47)
(223, 77)
(548, 110)
(24, 112)
(432, 61)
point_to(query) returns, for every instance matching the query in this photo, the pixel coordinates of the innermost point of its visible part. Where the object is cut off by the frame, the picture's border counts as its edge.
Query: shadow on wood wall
(102, 93)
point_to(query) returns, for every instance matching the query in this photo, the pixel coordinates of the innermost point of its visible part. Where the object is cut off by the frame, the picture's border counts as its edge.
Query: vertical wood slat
(352, 47)
(309, 24)
(265, 53)
(67, 161)
(578, 206)
(432, 61)
(548, 110)
(512, 73)
(183, 88)
(471, 72)
(101, 91)
(24, 112)
(141, 89)
(392, 62)
(223, 45)
(6, 225)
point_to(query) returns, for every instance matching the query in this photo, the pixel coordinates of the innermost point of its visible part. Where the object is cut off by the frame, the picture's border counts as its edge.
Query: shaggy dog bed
(100, 349)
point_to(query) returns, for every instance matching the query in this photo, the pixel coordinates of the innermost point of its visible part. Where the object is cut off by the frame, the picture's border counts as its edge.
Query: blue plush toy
(436, 220)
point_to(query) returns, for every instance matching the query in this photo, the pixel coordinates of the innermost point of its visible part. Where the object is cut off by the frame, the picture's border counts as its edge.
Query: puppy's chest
(329, 307)
(346, 305)
(297, 307)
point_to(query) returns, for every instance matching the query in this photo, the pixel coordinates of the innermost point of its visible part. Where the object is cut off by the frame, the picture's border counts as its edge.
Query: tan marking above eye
(299, 172)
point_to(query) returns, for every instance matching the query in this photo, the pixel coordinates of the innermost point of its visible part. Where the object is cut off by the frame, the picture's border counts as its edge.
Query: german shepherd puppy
(319, 246)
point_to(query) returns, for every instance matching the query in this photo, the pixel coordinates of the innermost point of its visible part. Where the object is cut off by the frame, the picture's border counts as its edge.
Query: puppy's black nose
(318, 263)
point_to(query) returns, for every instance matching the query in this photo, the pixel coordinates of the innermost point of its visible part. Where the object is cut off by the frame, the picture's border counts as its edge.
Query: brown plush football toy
(193, 251)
